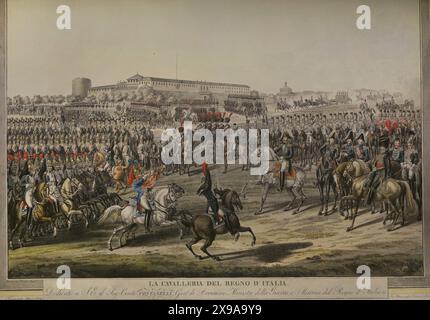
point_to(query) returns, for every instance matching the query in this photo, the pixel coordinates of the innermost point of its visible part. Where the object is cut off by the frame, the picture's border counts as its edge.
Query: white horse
(293, 184)
(165, 199)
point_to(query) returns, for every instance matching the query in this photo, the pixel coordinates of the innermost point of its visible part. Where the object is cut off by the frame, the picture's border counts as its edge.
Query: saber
(243, 191)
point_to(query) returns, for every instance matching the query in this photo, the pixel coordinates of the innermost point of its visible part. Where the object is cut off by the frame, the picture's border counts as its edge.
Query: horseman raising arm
(205, 189)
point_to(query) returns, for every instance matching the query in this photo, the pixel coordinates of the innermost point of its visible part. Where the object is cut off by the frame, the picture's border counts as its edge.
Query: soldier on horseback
(145, 197)
(205, 189)
(287, 154)
(398, 154)
(411, 159)
(348, 148)
(330, 151)
(362, 151)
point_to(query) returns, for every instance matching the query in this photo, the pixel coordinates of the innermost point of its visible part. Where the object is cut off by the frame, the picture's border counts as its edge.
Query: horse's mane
(226, 199)
(341, 167)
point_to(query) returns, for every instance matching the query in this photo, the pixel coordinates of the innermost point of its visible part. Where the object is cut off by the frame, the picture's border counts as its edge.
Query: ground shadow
(266, 253)
(369, 223)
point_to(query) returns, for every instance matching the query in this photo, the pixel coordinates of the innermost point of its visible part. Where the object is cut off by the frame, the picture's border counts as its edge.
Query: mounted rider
(205, 189)
(362, 151)
(145, 196)
(330, 151)
(398, 154)
(348, 148)
(410, 163)
(287, 154)
(384, 144)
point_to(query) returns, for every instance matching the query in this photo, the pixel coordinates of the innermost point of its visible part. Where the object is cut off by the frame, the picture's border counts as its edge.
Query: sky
(312, 44)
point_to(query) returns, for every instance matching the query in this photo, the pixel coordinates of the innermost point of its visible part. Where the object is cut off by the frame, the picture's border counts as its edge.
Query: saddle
(291, 175)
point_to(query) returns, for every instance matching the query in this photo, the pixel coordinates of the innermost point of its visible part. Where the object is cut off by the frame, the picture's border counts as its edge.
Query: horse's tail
(113, 210)
(409, 202)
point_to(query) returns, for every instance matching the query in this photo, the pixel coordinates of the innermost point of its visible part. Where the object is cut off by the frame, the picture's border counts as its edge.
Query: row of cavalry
(37, 208)
(41, 209)
(354, 184)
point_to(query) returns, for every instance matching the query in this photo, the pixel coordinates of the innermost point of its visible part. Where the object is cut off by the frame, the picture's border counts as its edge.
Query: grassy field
(287, 245)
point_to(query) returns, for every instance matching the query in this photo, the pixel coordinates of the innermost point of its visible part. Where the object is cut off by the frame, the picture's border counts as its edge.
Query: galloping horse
(43, 210)
(165, 200)
(203, 225)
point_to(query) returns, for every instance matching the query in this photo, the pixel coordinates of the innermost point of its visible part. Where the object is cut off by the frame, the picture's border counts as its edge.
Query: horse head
(219, 191)
(235, 200)
(175, 190)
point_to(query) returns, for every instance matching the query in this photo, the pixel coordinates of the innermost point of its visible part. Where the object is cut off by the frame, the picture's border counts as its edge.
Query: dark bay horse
(325, 183)
(203, 225)
(16, 216)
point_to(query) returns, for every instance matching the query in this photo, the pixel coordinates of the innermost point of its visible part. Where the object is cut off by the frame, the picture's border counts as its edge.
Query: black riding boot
(281, 180)
(387, 168)
(148, 219)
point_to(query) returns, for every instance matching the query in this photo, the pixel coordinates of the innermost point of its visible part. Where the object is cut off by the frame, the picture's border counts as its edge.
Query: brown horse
(372, 144)
(99, 160)
(43, 210)
(119, 173)
(16, 216)
(203, 225)
(394, 192)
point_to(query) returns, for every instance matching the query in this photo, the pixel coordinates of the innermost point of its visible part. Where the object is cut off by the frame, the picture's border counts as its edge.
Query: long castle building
(178, 88)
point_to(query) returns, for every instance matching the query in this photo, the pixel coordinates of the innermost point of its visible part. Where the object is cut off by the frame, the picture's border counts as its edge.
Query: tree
(59, 99)
(132, 96)
(18, 100)
(27, 100)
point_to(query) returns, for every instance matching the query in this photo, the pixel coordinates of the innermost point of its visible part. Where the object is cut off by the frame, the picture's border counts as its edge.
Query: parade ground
(304, 244)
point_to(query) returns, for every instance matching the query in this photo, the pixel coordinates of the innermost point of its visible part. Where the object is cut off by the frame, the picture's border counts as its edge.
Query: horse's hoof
(216, 258)
(257, 213)
(253, 243)
(11, 245)
(348, 229)
(295, 212)
(199, 257)
(390, 229)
